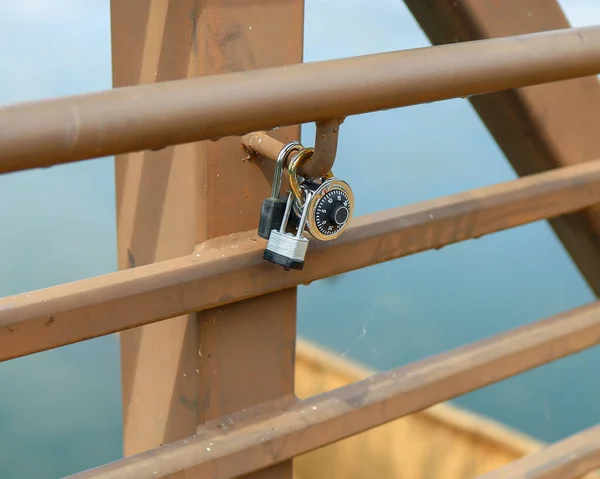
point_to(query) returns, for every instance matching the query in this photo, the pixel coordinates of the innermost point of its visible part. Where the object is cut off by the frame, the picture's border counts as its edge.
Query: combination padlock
(273, 208)
(288, 248)
(329, 207)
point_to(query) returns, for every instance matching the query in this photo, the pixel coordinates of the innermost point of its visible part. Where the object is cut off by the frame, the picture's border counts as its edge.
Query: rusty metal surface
(570, 458)
(159, 114)
(180, 373)
(231, 268)
(325, 149)
(261, 143)
(538, 127)
(257, 440)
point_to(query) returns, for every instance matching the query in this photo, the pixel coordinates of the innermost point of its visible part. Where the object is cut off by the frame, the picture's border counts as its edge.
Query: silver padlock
(272, 209)
(288, 248)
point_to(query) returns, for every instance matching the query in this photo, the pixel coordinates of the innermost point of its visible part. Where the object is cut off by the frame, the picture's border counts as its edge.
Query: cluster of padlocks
(321, 207)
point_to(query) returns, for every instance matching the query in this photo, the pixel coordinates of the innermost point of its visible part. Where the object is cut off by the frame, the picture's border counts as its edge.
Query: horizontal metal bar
(229, 269)
(259, 442)
(570, 458)
(152, 116)
(326, 141)
(261, 143)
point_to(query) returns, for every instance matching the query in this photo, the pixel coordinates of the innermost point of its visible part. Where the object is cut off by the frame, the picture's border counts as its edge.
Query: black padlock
(273, 208)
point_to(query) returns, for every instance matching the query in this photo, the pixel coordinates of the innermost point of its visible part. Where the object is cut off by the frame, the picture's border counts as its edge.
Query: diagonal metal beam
(570, 458)
(537, 127)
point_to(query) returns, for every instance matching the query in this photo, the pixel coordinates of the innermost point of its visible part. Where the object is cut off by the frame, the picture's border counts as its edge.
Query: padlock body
(330, 208)
(286, 249)
(271, 215)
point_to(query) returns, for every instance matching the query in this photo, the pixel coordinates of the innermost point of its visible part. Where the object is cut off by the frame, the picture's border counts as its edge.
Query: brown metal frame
(182, 373)
(261, 438)
(230, 268)
(539, 127)
(171, 112)
(208, 386)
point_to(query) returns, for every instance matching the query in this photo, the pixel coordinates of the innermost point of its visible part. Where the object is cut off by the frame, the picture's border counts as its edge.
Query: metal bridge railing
(230, 269)
(151, 116)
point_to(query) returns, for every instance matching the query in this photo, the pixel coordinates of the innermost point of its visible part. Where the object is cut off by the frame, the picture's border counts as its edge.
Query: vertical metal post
(182, 372)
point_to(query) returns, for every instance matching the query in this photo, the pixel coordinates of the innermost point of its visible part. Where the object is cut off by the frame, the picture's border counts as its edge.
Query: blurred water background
(60, 411)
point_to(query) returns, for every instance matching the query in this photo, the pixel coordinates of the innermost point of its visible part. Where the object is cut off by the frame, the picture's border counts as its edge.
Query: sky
(58, 225)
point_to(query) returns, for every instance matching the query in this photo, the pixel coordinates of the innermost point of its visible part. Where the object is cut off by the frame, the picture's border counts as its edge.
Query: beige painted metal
(444, 441)
(441, 442)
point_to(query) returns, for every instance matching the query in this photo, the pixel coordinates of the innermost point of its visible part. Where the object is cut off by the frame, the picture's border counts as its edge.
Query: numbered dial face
(332, 211)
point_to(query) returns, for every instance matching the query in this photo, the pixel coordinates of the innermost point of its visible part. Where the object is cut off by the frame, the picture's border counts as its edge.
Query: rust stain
(187, 402)
(130, 258)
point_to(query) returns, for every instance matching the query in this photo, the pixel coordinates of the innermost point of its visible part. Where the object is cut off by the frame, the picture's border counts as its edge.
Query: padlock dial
(332, 211)
(330, 208)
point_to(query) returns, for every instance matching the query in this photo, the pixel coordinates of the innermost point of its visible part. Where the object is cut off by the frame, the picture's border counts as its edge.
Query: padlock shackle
(286, 214)
(325, 149)
(295, 162)
(280, 166)
(304, 216)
